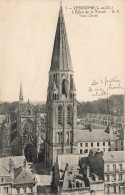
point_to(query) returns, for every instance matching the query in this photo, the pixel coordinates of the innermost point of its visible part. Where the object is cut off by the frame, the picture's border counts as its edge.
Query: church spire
(21, 93)
(61, 60)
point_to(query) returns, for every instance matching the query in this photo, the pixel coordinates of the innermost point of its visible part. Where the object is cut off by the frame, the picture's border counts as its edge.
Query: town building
(98, 139)
(61, 116)
(114, 172)
(16, 177)
(113, 126)
(75, 177)
(101, 121)
(110, 166)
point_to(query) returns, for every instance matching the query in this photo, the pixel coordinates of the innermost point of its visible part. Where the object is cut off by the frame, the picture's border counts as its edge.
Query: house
(74, 178)
(16, 177)
(95, 138)
(109, 166)
(100, 121)
(114, 172)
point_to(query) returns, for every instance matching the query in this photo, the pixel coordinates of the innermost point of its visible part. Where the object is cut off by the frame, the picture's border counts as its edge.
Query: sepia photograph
(62, 97)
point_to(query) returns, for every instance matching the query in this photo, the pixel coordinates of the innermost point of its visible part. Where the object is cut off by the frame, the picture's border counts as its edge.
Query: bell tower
(61, 105)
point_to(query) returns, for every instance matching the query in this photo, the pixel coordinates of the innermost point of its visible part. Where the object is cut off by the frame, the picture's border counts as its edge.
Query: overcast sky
(27, 31)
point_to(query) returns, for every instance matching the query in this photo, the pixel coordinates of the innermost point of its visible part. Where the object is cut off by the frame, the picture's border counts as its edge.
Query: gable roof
(28, 107)
(25, 177)
(71, 159)
(17, 160)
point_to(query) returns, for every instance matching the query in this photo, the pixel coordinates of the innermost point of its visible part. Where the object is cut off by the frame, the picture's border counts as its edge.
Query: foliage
(114, 106)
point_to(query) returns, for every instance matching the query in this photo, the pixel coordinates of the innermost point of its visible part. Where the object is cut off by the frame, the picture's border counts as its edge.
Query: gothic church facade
(21, 130)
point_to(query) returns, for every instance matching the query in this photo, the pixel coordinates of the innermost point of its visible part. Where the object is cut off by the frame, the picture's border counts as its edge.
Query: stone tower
(61, 116)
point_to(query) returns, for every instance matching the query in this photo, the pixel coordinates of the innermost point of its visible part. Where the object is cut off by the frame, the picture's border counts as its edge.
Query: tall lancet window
(55, 78)
(67, 137)
(58, 138)
(64, 86)
(69, 115)
(60, 115)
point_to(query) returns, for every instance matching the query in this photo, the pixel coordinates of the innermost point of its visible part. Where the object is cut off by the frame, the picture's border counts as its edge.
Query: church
(25, 132)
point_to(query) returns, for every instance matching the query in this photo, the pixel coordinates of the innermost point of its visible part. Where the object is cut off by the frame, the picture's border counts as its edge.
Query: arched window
(54, 96)
(64, 86)
(55, 78)
(29, 112)
(58, 138)
(67, 137)
(77, 184)
(60, 115)
(69, 115)
(61, 138)
(70, 137)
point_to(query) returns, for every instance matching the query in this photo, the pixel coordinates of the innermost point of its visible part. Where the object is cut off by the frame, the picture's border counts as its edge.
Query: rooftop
(21, 174)
(17, 160)
(96, 135)
(114, 156)
(71, 159)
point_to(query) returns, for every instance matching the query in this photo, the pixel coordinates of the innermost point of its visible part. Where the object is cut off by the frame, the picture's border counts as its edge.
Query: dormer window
(29, 112)
(2, 179)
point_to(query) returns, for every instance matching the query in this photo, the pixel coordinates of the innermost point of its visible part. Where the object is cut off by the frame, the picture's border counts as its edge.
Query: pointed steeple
(21, 93)
(61, 60)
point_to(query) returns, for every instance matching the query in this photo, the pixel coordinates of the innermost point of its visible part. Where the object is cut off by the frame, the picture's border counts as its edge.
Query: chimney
(24, 164)
(74, 181)
(11, 168)
(67, 167)
(88, 171)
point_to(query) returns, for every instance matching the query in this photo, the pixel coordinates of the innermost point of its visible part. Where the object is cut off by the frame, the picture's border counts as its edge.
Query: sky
(97, 47)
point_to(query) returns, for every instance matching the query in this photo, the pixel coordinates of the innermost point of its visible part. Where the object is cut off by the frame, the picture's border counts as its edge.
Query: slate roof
(71, 159)
(114, 156)
(3, 170)
(21, 175)
(44, 180)
(25, 177)
(17, 160)
(96, 135)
